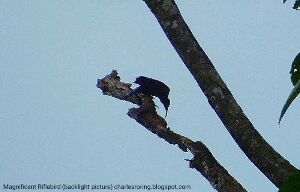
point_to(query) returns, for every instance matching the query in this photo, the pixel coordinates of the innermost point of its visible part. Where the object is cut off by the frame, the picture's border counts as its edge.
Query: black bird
(152, 87)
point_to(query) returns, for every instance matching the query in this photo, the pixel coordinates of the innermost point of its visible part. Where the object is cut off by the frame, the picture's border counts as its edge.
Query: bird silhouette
(152, 87)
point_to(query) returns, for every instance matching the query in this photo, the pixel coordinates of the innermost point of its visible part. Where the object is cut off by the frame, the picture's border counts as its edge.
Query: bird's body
(152, 87)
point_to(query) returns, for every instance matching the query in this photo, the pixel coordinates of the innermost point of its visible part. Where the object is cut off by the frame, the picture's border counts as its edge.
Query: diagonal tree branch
(262, 155)
(146, 115)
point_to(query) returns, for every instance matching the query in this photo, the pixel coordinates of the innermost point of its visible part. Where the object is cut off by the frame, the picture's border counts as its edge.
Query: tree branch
(146, 115)
(262, 155)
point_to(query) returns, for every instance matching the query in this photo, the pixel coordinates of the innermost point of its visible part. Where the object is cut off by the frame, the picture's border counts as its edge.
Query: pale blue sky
(57, 127)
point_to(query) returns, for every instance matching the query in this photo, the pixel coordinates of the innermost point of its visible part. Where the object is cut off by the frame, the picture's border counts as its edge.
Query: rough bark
(262, 155)
(146, 115)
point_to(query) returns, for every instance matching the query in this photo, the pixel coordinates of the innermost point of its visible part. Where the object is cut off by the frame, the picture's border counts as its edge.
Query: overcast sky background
(57, 127)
